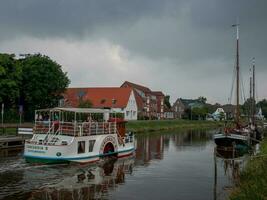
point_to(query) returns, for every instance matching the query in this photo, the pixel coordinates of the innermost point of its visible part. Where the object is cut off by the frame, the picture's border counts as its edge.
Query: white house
(219, 114)
(121, 100)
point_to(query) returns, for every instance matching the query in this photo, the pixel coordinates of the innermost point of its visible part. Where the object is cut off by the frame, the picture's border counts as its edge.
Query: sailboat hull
(229, 140)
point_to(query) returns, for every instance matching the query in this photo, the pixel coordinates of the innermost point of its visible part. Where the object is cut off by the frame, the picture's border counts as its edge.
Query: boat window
(91, 145)
(81, 146)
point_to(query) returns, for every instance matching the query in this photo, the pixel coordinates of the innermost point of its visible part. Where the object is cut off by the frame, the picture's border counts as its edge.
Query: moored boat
(63, 135)
(239, 135)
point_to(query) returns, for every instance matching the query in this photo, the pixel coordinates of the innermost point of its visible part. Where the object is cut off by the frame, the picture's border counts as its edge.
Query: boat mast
(237, 76)
(250, 99)
(253, 91)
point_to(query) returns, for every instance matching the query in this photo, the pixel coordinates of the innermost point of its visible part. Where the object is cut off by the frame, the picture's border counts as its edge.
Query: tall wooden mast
(250, 99)
(237, 75)
(253, 93)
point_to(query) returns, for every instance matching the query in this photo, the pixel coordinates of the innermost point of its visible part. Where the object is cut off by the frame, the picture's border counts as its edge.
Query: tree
(43, 82)
(167, 101)
(10, 77)
(202, 99)
(199, 112)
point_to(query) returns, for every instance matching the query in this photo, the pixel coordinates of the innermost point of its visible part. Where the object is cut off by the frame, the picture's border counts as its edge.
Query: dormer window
(103, 101)
(114, 101)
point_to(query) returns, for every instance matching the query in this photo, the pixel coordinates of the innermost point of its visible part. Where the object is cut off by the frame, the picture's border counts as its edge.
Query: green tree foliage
(43, 82)
(167, 101)
(199, 113)
(202, 99)
(10, 77)
(85, 104)
(196, 113)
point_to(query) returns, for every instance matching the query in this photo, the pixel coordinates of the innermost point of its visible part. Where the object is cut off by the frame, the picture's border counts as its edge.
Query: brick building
(150, 103)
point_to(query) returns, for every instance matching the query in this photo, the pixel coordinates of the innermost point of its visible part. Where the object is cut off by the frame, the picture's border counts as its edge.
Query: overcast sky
(186, 48)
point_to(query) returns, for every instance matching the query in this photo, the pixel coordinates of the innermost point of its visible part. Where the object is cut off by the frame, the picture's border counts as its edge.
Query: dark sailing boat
(255, 134)
(239, 135)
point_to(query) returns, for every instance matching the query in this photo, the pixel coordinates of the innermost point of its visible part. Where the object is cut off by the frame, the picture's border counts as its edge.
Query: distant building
(160, 104)
(168, 113)
(150, 103)
(259, 115)
(180, 105)
(120, 100)
(219, 114)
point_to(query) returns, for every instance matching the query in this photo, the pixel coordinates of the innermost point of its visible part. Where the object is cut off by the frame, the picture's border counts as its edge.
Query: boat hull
(50, 154)
(229, 140)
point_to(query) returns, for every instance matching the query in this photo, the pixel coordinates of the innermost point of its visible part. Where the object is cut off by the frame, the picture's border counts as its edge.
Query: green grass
(8, 131)
(157, 125)
(253, 180)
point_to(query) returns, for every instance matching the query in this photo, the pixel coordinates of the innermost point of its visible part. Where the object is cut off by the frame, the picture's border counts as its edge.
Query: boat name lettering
(35, 147)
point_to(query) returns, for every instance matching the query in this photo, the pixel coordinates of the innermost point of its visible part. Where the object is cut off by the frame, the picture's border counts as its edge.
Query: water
(167, 165)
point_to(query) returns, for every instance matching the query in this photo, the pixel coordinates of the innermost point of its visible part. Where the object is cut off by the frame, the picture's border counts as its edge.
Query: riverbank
(138, 126)
(253, 180)
(159, 125)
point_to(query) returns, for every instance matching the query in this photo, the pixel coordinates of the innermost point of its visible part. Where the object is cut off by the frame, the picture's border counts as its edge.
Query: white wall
(130, 112)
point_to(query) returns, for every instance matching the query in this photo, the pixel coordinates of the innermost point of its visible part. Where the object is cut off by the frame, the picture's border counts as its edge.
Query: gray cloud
(190, 38)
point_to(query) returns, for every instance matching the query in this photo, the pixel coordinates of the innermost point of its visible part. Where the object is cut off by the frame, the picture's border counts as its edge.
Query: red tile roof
(157, 93)
(100, 97)
(136, 86)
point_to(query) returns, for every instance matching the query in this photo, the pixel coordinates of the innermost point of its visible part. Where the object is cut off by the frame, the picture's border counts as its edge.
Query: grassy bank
(157, 125)
(253, 180)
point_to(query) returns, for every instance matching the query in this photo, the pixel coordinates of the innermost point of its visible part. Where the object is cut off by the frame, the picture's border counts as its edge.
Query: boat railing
(74, 128)
(41, 127)
(97, 128)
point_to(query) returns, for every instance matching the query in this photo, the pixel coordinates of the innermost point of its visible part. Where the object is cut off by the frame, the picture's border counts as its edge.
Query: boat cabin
(77, 122)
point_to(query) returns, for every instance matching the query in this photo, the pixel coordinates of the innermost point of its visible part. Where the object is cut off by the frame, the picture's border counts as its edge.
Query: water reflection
(89, 182)
(233, 162)
(152, 146)
(177, 162)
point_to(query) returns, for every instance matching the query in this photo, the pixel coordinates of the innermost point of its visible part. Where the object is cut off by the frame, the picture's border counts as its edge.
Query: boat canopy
(75, 110)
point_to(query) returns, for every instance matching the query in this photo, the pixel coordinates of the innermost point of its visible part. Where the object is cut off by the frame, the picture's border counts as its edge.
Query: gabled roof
(101, 97)
(191, 102)
(157, 93)
(136, 86)
(139, 100)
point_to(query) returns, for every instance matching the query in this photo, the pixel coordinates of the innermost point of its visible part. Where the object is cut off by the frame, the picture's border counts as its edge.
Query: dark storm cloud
(71, 17)
(193, 38)
(180, 30)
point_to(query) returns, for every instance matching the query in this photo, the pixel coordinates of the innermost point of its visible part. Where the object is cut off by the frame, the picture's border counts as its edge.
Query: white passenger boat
(74, 135)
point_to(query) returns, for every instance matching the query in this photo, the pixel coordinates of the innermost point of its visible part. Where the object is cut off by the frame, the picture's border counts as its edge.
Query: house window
(91, 145)
(103, 101)
(134, 113)
(81, 146)
(127, 113)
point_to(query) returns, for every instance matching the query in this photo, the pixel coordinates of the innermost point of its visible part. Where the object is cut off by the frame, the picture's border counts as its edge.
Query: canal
(167, 165)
